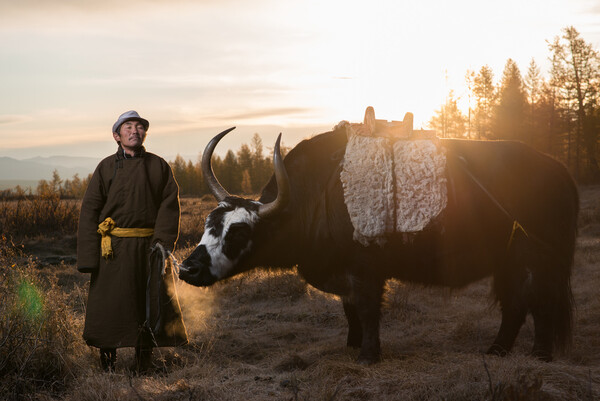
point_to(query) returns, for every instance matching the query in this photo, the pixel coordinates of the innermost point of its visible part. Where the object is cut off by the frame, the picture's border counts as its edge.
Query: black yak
(511, 213)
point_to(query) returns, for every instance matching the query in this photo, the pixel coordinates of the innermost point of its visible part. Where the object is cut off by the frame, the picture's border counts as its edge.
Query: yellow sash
(108, 228)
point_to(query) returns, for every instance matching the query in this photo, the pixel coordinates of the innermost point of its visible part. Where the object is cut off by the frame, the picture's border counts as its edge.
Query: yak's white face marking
(226, 236)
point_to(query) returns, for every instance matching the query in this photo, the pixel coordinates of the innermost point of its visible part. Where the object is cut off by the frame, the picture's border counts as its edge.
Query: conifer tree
(261, 165)
(575, 75)
(193, 178)
(230, 174)
(533, 82)
(246, 182)
(449, 121)
(245, 157)
(179, 171)
(484, 92)
(469, 80)
(550, 125)
(509, 113)
(56, 183)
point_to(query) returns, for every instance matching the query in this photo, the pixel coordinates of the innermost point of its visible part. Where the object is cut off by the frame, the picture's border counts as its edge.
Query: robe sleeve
(88, 239)
(166, 228)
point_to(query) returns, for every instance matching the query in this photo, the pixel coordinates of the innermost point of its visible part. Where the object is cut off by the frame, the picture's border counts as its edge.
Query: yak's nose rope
(175, 263)
(168, 255)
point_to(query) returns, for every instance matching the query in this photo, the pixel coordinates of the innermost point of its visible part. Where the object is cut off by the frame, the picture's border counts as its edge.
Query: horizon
(297, 68)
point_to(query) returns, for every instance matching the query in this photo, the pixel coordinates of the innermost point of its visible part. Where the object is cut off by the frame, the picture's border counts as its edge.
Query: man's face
(132, 135)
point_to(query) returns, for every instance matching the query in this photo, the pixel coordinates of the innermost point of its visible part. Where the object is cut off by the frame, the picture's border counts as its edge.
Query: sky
(68, 68)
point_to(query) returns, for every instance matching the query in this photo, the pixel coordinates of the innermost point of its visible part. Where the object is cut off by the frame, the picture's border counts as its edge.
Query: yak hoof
(542, 355)
(367, 360)
(497, 350)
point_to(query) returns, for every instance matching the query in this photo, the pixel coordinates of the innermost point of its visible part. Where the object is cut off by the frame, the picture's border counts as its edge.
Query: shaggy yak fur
(490, 186)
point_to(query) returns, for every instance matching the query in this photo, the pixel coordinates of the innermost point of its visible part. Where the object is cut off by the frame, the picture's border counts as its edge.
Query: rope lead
(516, 226)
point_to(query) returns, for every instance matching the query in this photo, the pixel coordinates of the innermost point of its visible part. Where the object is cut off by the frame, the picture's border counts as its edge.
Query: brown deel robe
(138, 192)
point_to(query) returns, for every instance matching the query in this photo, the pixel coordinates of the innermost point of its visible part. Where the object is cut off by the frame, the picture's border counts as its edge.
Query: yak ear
(214, 185)
(283, 185)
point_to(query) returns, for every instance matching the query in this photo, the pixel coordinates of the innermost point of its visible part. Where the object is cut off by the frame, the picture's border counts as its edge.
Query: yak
(494, 187)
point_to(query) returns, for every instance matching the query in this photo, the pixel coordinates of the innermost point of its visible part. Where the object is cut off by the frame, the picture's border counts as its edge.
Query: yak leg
(544, 333)
(367, 302)
(541, 285)
(551, 306)
(354, 327)
(511, 291)
(513, 317)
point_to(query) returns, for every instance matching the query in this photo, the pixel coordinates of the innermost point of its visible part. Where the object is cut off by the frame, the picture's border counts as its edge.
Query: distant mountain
(41, 168)
(87, 163)
(27, 172)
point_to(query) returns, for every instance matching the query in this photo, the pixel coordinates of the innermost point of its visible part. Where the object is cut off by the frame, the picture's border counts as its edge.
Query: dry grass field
(266, 335)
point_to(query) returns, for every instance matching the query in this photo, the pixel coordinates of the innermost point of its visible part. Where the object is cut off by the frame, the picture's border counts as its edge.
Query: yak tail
(564, 302)
(561, 293)
(563, 312)
(560, 259)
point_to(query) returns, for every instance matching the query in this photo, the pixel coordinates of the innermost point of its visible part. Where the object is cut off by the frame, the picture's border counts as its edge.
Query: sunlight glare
(400, 56)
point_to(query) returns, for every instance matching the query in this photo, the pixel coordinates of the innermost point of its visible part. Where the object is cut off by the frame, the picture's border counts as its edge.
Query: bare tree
(449, 121)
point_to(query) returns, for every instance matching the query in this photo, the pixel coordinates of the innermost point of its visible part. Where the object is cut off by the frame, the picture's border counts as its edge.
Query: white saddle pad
(392, 186)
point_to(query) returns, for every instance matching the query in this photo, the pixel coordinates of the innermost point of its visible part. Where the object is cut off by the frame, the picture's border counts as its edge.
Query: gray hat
(129, 116)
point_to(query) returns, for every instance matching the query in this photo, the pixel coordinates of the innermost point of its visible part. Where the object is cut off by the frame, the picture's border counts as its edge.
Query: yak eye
(236, 239)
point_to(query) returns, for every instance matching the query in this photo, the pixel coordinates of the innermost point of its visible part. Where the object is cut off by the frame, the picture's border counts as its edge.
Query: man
(129, 220)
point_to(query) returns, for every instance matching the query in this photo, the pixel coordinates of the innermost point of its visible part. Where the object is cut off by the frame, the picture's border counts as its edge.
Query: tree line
(558, 115)
(243, 172)
(58, 188)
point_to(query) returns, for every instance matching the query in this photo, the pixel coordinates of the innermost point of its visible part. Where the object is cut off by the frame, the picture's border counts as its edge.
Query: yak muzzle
(195, 270)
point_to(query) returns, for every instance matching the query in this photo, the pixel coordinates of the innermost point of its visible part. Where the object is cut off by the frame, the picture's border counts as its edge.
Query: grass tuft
(37, 330)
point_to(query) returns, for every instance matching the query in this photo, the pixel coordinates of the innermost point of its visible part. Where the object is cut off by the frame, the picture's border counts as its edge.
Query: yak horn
(215, 187)
(283, 185)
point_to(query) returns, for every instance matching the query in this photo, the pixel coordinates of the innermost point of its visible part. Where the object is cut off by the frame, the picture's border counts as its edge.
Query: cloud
(175, 122)
(24, 7)
(266, 113)
(13, 119)
(592, 7)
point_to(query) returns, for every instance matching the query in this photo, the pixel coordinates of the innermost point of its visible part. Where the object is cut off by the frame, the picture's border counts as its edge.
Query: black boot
(143, 359)
(108, 358)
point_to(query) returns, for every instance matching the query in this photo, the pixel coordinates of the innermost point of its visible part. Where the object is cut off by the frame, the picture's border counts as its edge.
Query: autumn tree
(194, 178)
(75, 187)
(43, 188)
(180, 172)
